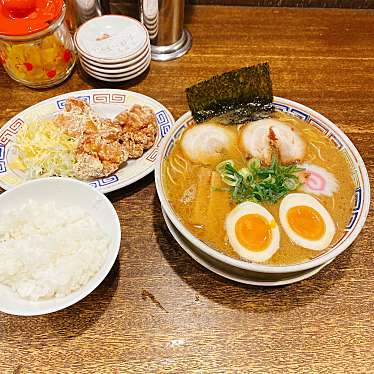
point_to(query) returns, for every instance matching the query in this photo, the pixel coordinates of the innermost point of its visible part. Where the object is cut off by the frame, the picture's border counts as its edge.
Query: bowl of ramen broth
(201, 219)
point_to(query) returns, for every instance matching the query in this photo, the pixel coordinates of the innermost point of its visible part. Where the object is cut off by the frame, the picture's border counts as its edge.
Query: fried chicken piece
(139, 129)
(76, 105)
(100, 151)
(75, 117)
(87, 166)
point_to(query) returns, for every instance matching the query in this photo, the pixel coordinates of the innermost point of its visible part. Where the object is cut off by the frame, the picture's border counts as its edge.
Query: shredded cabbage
(43, 149)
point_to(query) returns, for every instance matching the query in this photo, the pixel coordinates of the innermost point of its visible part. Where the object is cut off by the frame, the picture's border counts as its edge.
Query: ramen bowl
(236, 274)
(262, 273)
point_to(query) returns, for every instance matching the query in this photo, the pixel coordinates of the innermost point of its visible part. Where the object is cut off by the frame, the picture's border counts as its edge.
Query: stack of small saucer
(149, 17)
(113, 48)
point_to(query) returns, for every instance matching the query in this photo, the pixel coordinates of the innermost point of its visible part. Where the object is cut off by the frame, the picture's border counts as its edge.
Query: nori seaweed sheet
(236, 96)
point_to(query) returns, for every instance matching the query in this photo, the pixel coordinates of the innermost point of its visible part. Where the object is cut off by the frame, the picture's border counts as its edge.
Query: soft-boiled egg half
(252, 232)
(306, 221)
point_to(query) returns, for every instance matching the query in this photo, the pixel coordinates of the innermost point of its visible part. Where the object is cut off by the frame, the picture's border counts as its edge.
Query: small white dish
(123, 75)
(150, 9)
(65, 192)
(123, 65)
(152, 31)
(150, 23)
(118, 79)
(119, 64)
(153, 34)
(121, 72)
(111, 38)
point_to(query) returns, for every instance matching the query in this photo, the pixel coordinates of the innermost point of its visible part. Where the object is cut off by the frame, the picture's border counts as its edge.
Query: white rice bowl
(65, 193)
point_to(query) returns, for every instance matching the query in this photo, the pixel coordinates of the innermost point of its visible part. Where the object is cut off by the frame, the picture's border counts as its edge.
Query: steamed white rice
(47, 251)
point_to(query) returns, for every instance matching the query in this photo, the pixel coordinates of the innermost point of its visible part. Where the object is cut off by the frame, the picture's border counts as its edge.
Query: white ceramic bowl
(223, 269)
(111, 39)
(119, 72)
(109, 66)
(65, 192)
(343, 144)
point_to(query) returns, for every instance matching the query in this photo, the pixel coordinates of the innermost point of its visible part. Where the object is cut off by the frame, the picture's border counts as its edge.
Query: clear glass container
(42, 59)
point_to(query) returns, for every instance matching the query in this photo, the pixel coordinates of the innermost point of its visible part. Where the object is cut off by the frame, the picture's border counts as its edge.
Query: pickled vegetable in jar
(34, 49)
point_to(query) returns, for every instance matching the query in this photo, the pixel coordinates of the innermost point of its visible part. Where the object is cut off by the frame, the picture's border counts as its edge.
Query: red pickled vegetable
(28, 66)
(51, 73)
(67, 55)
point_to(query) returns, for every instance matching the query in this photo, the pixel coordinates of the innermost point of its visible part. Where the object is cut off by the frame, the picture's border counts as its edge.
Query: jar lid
(24, 17)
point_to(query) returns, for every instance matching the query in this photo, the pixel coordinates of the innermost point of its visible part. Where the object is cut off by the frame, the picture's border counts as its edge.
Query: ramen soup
(274, 191)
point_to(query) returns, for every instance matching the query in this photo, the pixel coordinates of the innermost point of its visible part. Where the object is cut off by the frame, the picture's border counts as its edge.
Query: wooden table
(158, 311)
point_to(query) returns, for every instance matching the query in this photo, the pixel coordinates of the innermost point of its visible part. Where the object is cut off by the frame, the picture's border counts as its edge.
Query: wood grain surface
(131, 7)
(158, 311)
(359, 4)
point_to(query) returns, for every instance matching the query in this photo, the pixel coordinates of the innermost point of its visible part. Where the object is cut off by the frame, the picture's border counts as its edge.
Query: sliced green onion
(259, 183)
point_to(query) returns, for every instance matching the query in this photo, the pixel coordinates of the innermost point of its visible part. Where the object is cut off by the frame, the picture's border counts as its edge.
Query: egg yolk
(253, 232)
(306, 222)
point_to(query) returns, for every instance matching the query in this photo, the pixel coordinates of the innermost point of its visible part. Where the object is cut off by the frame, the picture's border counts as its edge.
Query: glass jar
(40, 59)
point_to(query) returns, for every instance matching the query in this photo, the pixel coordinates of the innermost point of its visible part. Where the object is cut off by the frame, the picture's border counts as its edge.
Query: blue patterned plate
(107, 103)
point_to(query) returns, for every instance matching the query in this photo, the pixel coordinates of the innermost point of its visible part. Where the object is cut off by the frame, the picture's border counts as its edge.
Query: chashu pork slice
(263, 138)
